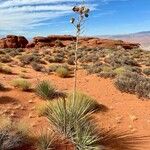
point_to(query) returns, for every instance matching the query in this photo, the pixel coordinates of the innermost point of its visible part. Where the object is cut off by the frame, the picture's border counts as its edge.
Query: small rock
(12, 114)
(33, 108)
(130, 127)
(133, 130)
(118, 119)
(31, 115)
(30, 101)
(133, 118)
(22, 108)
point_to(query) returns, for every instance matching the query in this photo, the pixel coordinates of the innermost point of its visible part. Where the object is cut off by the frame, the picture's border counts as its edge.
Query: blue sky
(45, 17)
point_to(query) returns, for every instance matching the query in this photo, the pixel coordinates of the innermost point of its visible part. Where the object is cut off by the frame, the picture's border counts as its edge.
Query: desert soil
(123, 112)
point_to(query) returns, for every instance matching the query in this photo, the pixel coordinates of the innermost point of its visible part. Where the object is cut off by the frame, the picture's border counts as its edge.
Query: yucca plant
(72, 120)
(82, 12)
(45, 90)
(86, 137)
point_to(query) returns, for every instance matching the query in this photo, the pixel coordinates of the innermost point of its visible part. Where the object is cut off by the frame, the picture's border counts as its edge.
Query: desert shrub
(10, 137)
(94, 68)
(42, 109)
(78, 128)
(146, 71)
(134, 69)
(5, 70)
(147, 63)
(22, 84)
(45, 90)
(1, 87)
(133, 83)
(15, 52)
(47, 140)
(107, 72)
(52, 68)
(29, 58)
(5, 122)
(70, 61)
(58, 59)
(5, 59)
(120, 70)
(143, 88)
(120, 59)
(58, 43)
(38, 67)
(2, 51)
(62, 72)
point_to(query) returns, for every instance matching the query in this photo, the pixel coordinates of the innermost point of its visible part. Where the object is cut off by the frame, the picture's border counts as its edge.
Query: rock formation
(12, 41)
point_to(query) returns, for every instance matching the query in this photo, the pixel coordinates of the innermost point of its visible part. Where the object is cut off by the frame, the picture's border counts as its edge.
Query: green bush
(133, 83)
(45, 90)
(5, 69)
(146, 71)
(22, 84)
(120, 70)
(62, 72)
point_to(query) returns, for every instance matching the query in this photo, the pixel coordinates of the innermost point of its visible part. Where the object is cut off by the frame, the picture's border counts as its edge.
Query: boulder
(22, 41)
(30, 45)
(13, 41)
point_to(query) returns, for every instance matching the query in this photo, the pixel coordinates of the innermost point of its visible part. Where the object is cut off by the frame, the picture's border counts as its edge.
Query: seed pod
(81, 9)
(86, 15)
(72, 20)
(86, 10)
(75, 9)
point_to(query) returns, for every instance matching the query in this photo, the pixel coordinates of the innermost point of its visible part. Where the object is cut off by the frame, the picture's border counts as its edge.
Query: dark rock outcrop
(12, 41)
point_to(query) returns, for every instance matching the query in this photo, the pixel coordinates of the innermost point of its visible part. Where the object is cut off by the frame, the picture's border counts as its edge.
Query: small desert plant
(5, 70)
(42, 108)
(45, 90)
(11, 138)
(119, 71)
(62, 72)
(133, 83)
(38, 67)
(146, 71)
(47, 140)
(22, 84)
(1, 87)
(5, 59)
(5, 122)
(107, 72)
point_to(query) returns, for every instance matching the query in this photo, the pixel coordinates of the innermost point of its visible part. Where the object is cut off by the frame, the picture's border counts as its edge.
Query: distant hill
(141, 37)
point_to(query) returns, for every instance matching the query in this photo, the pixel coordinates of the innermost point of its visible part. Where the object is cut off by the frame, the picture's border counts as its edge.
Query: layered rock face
(12, 41)
(51, 41)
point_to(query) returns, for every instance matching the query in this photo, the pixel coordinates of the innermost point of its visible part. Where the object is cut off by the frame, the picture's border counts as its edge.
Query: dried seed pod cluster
(82, 10)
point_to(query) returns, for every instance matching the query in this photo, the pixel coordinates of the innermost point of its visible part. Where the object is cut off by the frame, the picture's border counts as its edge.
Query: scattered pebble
(133, 118)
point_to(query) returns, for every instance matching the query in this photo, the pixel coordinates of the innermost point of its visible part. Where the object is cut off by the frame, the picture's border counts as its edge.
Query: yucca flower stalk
(83, 12)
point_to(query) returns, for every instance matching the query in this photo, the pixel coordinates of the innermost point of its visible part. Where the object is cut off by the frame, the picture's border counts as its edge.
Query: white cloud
(23, 15)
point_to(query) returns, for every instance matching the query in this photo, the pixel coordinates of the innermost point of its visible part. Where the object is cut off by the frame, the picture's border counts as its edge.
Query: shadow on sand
(115, 140)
